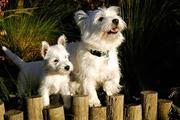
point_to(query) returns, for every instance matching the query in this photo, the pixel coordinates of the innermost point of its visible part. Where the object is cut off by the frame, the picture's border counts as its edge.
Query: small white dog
(50, 75)
(95, 58)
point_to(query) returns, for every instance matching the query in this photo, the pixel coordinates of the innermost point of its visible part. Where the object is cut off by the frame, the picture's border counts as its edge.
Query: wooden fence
(150, 109)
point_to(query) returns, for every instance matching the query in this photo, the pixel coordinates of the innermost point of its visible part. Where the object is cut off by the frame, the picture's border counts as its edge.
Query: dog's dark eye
(56, 60)
(100, 19)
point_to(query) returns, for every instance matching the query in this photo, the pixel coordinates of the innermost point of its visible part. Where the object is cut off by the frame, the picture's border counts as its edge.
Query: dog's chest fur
(99, 69)
(55, 83)
(102, 67)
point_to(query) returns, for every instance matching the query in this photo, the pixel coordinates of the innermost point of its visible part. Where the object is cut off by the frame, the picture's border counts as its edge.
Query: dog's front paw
(94, 103)
(74, 86)
(45, 99)
(46, 102)
(111, 88)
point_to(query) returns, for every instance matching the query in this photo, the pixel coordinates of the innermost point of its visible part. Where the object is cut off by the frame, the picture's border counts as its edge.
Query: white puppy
(95, 58)
(50, 75)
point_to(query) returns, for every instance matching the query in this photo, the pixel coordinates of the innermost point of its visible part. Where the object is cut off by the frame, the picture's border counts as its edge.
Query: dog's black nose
(115, 21)
(67, 67)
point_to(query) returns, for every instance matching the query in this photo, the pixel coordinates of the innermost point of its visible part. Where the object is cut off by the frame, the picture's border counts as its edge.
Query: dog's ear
(44, 49)
(122, 24)
(80, 18)
(62, 40)
(115, 9)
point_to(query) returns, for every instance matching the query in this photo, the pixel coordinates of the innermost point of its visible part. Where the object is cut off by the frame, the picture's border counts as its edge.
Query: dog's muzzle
(115, 28)
(67, 67)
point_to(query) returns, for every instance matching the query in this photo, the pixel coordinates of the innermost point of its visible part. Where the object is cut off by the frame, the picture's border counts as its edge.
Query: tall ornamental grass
(144, 19)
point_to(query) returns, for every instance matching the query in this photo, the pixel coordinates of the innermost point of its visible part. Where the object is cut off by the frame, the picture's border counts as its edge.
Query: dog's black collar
(99, 53)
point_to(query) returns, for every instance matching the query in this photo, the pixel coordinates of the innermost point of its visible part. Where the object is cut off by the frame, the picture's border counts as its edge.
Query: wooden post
(2, 110)
(115, 107)
(134, 112)
(54, 113)
(164, 107)
(34, 108)
(14, 115)
(98, 113)
(80, 107)
(149, 105)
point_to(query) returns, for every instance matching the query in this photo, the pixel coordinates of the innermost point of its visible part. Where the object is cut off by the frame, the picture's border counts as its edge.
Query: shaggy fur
(95, 58)
(50, 75)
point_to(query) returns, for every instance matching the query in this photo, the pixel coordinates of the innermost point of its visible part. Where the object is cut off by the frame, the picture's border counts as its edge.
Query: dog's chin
(113, 31)
(63, 73)
(58, 72)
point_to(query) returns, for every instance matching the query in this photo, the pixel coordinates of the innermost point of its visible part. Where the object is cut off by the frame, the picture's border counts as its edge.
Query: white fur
(90, 71)
(48, 75)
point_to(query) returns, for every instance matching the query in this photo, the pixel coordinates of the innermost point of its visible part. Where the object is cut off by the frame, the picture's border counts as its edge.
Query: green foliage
(25, 32)
(44, 21)
(174, 113)
(7, 88)
(61, 11)
(3, 89)
(144, 19)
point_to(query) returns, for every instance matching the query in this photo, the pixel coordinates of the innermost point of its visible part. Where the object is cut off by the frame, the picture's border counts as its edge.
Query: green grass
(174, 113)
(25, 33)
(4, 90)
(27, 27)
(144, 19)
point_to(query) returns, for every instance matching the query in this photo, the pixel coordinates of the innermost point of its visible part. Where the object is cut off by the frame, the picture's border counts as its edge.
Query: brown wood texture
(14, 115)
(98, 113)
(115, 107)
(149, 105)
(134, 112)
(34, 108)
(80, 107)
(164, 107)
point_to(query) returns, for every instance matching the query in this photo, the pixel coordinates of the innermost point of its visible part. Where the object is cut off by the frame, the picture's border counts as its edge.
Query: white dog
(50, 75)
(95, 59)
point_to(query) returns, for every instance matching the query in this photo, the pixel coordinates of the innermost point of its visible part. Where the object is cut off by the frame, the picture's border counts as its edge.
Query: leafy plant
(174, 113)
(62, 12)
(45, 20)
(25, 33)
(3, 89)
(145, 21)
